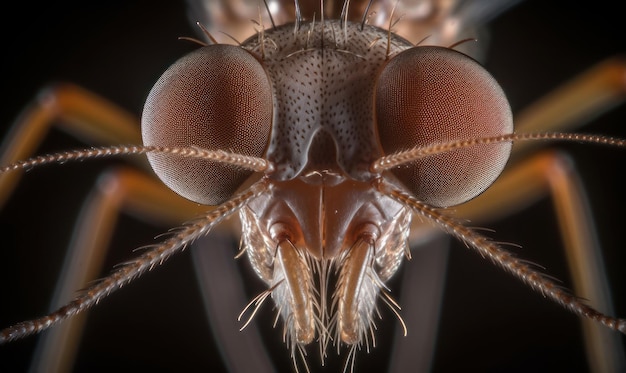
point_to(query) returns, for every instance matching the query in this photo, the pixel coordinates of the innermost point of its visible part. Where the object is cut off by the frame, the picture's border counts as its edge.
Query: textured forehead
(323, 78)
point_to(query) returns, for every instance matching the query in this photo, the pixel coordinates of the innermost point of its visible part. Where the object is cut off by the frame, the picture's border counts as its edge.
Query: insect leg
(123, 190)
(73, 109)
(552, 173)
(421, 296)
(576, 102)
(224, 296)
(522, 185)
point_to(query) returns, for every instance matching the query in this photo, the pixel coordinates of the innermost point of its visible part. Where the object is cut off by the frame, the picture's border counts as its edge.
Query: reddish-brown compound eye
(218, 98)
(428, 95)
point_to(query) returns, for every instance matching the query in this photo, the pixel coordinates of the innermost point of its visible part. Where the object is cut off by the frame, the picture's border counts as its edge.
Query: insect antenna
(240, 160)
(155, 256)
(503, 258)
(73, 155)
(404, 157)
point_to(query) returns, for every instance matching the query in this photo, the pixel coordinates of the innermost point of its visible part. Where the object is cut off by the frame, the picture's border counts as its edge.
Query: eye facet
(218, 98)
(429, 95)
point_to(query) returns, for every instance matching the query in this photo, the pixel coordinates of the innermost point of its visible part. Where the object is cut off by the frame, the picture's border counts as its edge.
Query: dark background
(490, 322)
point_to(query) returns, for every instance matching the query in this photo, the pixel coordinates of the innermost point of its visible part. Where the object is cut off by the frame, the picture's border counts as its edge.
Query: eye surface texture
(429, 95)
(217, 98)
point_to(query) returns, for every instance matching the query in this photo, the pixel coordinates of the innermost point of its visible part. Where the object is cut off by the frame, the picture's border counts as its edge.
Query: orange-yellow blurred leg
(575, 103)
(73, 109)
(121, 190)
(224, 297)
(553, 174)
(570, 106)
(423, 284)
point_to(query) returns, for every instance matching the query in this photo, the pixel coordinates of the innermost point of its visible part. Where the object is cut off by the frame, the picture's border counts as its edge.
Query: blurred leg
(575, 103)
(552, 174)
(423, 284)
(118, 191)
(72, 109)
(224, 297)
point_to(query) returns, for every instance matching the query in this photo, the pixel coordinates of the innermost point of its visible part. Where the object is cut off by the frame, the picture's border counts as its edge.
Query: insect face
(335, 88)
(253, 219)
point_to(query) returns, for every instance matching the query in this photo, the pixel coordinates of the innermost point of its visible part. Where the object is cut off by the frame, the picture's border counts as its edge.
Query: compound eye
(428, 95)
(218, 98)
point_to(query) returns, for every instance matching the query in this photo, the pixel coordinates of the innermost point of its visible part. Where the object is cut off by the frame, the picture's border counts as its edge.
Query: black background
(490, 322)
